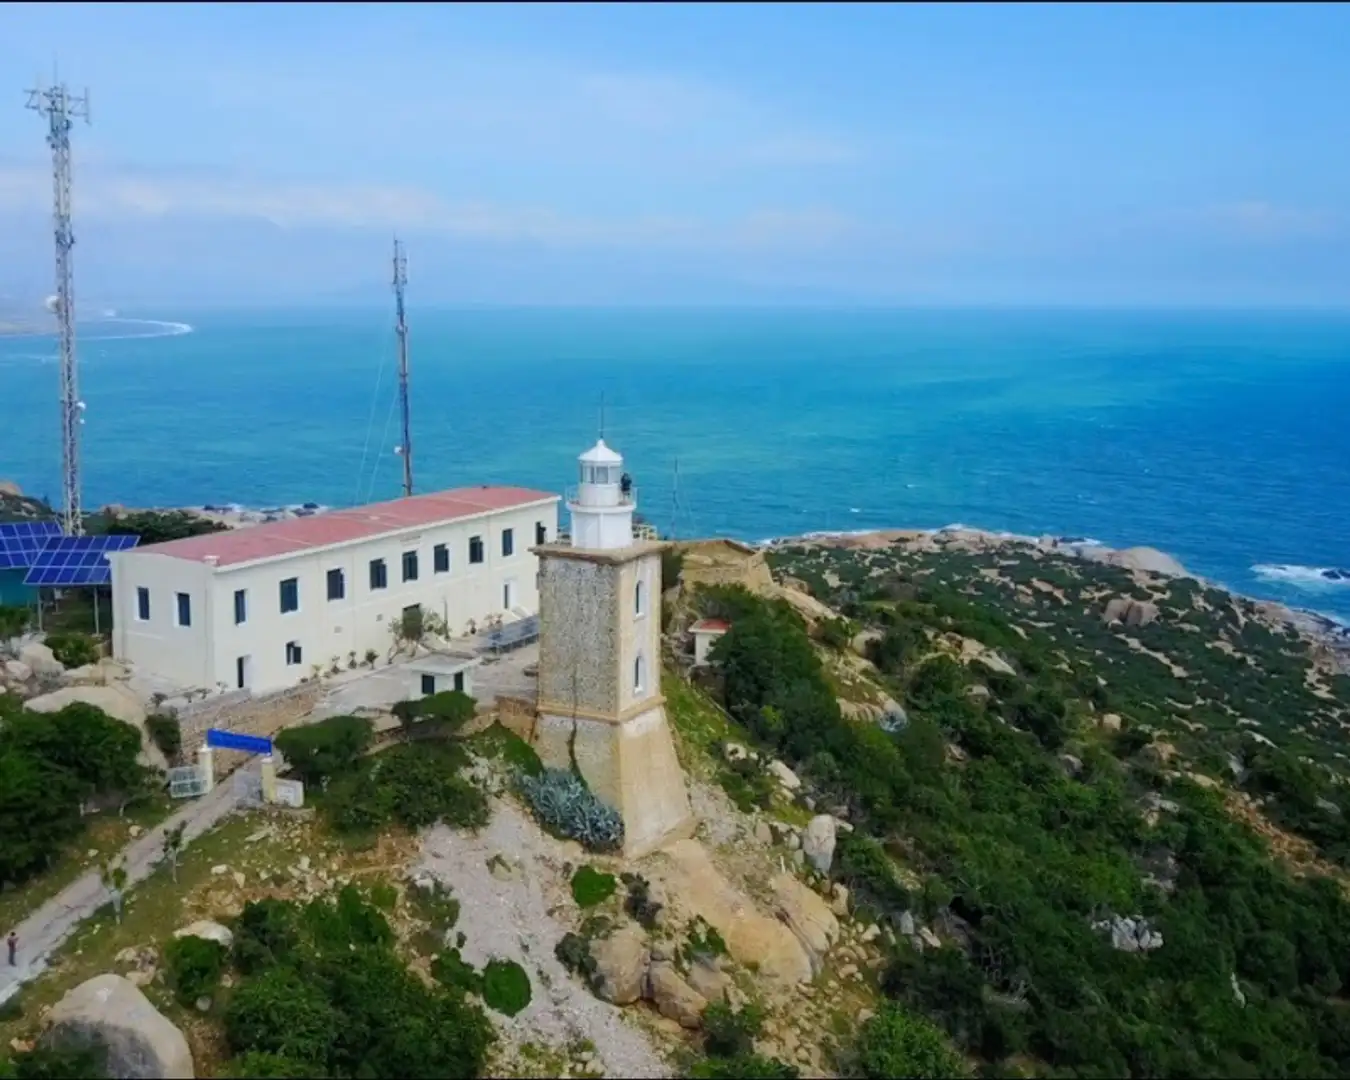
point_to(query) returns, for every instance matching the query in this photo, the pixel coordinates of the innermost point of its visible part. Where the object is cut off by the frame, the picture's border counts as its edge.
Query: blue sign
(228, 740)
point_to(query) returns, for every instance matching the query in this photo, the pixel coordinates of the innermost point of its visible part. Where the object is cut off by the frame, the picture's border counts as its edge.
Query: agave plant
(564, 803)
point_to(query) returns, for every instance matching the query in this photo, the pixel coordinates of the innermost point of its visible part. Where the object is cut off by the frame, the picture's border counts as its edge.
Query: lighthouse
(600, 706)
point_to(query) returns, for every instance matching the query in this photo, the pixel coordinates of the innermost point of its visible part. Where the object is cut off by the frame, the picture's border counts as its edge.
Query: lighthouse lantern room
(602, 504)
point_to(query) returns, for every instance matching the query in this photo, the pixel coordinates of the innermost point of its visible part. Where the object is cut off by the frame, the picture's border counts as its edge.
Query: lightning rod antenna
(400, 283)
(60, 108)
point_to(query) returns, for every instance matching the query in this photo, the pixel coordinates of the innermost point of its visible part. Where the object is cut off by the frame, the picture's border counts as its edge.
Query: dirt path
(44, 931)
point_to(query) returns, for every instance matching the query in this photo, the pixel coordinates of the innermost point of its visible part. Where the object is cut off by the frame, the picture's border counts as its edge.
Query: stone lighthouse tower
(600, 703)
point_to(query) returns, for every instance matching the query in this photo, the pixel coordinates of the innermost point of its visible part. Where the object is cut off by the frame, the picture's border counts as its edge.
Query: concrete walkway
(43, 932)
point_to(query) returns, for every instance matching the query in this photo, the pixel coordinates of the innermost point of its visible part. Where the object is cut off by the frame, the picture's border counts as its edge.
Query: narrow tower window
(639, 599)
(639, 674)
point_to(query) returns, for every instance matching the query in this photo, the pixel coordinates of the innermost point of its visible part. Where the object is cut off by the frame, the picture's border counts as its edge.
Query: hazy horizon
(1169, 156)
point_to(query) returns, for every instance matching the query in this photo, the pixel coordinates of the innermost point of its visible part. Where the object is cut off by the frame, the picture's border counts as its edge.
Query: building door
(429, 685)
(241, 672)
(459, 681)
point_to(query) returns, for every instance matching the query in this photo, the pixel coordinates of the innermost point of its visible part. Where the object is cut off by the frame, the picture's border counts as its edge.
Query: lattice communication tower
(61, 108)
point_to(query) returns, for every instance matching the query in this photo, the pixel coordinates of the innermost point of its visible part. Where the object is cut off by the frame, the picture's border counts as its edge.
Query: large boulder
(116, 701)
(818, 842)
(210, 931)
(753, 938)
(807, 916)
(621, 965)
(40, 660)
(1130, 612)
(109, 1011)
(18, 670)
(674, 998)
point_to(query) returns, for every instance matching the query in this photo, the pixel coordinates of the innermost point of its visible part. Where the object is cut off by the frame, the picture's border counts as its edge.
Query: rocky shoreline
(1321, 630)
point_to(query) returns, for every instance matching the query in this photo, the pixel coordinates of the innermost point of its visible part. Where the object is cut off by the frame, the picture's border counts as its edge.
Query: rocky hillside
(1116, 796)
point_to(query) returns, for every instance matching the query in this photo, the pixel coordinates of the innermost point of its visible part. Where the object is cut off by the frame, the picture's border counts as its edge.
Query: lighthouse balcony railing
(642, 530)
(625, 498)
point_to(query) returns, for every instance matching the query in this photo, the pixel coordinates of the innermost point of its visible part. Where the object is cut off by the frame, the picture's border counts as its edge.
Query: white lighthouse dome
(600, 454)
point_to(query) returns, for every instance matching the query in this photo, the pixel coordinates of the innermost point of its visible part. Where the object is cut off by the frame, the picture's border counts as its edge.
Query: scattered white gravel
(506, 916)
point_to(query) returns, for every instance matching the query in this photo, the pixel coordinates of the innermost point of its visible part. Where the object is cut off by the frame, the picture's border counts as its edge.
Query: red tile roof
(710, 626)
(293, 535)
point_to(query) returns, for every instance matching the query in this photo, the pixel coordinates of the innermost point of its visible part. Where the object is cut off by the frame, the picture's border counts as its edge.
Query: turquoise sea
(1223, 439)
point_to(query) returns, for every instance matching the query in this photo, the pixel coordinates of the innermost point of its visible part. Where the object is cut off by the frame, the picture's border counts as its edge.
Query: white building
(259, 607)
(707, 633)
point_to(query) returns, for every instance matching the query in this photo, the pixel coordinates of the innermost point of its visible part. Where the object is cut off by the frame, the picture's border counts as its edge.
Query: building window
(184, 609)
(241, 672)
(410, 566)
(428, 685)
(440, 559)
(143, 604)
(293, 653)
(240, 606)
(640, 599)
(290, 595)
(508, 543)
(540, 533)
(337, 585)
(639, 674)
(379, 574)
(475, 549)
(508, 594)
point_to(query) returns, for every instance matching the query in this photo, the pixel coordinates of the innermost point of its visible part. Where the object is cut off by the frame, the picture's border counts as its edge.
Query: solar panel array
(72, 561)
(513, 634)
(22, 541)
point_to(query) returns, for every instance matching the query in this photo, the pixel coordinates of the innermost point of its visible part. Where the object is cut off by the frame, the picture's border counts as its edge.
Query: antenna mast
(400, 283)
(59, 107)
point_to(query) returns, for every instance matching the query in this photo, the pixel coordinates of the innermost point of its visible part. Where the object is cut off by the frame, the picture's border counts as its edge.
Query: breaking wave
(1303, 577)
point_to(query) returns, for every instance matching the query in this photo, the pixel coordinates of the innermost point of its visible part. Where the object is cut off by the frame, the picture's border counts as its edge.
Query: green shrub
(894, 1044)
(167, 734)
(506, 987)
(413, 785)
(73, 649)
(591, 887)
(338, 1001)
(563, 803)
(702, 942)
(444, 713)
(729, 1033)
(450, 970)
(57, 1063)
(265, 933)
(574, 953)
(639, 904)
(195, 965)
(327, 748)
(13, 621)
(743, 1067)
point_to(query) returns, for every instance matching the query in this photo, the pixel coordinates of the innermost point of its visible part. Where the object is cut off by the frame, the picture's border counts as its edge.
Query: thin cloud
(391, 208)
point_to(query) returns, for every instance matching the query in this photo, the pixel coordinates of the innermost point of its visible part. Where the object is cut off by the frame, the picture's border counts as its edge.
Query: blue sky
(606, 154)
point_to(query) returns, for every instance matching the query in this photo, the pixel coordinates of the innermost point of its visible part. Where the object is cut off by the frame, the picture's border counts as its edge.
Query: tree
(156, 527)
(174, 843)
(113, 875)
(39, 812)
